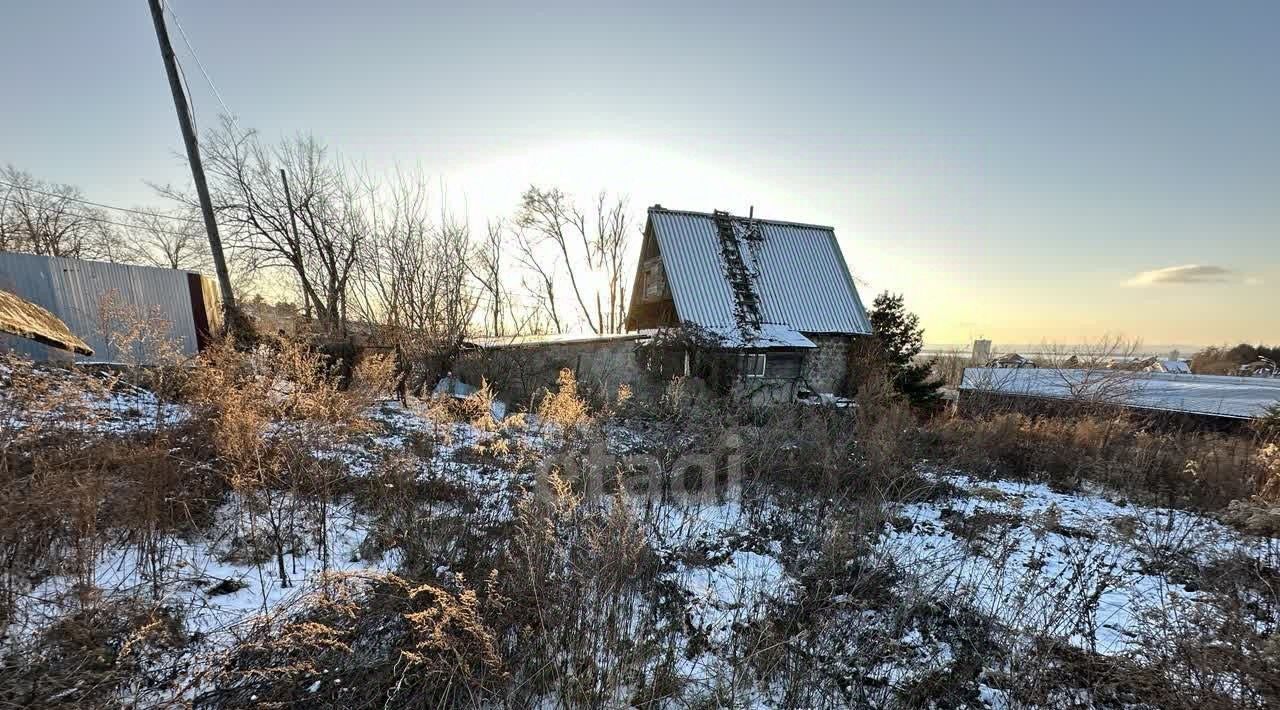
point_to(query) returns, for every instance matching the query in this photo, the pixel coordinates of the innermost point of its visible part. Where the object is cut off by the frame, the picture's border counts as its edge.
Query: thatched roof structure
(27, 320)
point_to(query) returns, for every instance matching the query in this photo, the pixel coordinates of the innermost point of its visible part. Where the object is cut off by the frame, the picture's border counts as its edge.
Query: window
(784, 365)
(753, 365)
(671, 363)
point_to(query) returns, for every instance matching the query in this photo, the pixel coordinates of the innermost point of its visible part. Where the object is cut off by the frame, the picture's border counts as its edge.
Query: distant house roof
(1011, 360)
(795, 273)
(1175, 366)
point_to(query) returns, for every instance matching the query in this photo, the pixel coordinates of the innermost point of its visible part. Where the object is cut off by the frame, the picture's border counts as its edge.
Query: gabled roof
(796, 271)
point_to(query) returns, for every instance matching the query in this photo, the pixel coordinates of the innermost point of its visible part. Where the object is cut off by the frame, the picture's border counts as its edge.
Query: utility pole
(293, 222)
(230, 315)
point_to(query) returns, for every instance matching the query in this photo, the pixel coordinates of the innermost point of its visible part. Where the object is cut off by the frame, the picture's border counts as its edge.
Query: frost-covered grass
(474, 584)
(1078, 565)
(206, 576)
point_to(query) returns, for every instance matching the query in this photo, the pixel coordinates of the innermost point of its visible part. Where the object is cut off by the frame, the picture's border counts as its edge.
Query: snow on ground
(206, 577)
(1020, 553)
(1242, 397)
(71, 400)
(1029, 556)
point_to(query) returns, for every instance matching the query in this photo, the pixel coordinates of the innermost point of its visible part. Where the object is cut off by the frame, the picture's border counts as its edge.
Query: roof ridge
(711, 215)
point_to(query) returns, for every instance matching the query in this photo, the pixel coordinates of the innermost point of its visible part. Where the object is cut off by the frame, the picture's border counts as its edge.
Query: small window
(671, 363)
(784, 365)
(753, 365)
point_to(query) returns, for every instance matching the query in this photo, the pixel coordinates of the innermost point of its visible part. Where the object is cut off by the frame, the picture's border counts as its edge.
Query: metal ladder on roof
(741, 279)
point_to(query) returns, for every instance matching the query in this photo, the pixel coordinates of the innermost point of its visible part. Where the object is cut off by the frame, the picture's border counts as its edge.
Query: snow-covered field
(968, 560)
(1078, 565)
(1219, 395)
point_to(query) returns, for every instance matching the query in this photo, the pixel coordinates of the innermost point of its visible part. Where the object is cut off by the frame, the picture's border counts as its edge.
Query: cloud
(1188, 274)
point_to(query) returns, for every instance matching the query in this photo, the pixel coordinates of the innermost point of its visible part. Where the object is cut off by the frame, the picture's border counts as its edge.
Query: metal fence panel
(75, 289)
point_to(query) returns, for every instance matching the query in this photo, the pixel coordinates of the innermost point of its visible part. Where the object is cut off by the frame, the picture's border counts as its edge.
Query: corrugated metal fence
(74, 290)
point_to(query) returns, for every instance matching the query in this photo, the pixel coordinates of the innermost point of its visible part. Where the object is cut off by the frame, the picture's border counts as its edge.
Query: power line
(199, 64)
(96, 204)
(104, 220)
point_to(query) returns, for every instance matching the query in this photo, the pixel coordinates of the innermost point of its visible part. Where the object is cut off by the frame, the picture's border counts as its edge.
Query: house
(1263, 367)
(94, 300)
(1012, 360)
(1151, 364)
(765, 308)
(775, 298)
(1177, 367)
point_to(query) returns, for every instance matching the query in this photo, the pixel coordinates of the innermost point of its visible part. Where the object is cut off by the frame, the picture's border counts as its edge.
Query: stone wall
(520, 373)
(826, 367)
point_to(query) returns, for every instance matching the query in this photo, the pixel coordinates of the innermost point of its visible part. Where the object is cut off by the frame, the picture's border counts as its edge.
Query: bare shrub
(89, 656)
(577, 576)
(371, 641)
(1172, 467)
(268, 412)
(564, 407)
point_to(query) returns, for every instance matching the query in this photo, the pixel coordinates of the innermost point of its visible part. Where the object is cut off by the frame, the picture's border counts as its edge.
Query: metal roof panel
(802, 279)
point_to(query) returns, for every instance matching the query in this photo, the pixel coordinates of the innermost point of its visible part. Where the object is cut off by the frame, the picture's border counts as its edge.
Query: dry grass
(548, 593)
(1178, 468)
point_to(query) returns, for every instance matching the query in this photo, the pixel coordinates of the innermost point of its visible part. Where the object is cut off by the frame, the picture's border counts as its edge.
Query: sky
(1020, 172)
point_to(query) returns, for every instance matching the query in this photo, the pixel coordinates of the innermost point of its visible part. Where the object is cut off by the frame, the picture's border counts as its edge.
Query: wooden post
(230, 319)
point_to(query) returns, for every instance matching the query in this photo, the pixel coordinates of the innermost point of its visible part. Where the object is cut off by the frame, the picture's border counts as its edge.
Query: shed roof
(798, 273)
(27, 320)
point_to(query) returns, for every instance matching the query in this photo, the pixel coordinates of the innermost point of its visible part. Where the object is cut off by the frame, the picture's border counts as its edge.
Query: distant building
(1175, 366)
(1264, 367)
(981, 350)
(184, 306)
(1012, 360)
(1153, 364)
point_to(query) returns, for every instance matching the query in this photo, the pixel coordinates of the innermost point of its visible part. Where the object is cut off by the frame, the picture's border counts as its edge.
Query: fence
(74, 289)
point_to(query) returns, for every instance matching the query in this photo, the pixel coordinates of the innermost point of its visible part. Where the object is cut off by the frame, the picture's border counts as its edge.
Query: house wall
(826, 367)
(520, 373)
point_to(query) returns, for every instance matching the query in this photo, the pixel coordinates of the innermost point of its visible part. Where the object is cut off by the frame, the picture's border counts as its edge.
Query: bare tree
(1089, 372)
(592, 256)
(318, 240)
(51, 219)
(610, 249)
(169, 240)
(540, 283)
(413, 275)
(488, 271)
